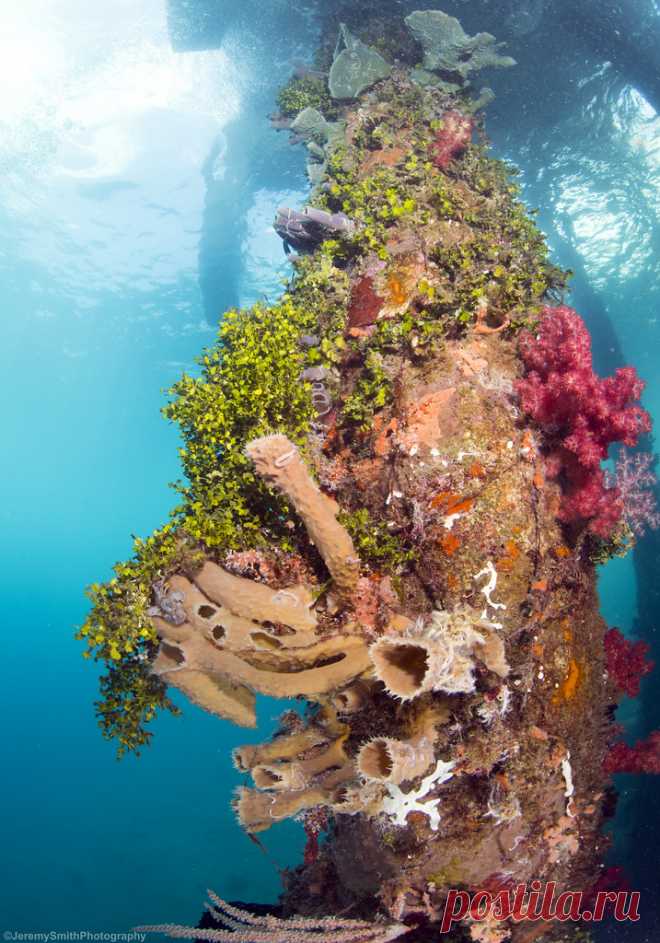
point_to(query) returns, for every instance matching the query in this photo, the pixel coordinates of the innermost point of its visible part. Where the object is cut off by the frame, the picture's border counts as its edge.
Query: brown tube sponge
(284, 747)
(256, 811)
(278, 461)
(252, 600)
(318, 669)
(492, 652)
(217, 696)
(299, 773)
(386, 760)
(236, 632)
(351, 699)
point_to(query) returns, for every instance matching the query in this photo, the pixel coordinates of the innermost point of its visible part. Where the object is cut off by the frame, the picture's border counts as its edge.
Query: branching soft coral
(644, 757)
(626, 662)
(452, 138)
(582, 412)
(635, 480)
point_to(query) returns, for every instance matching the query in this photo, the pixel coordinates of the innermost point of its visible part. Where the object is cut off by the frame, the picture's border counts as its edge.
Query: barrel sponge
(388, 760)
(278, 461)
(437, 655)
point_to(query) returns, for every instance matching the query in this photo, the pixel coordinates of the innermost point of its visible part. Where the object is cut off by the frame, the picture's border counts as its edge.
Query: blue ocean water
(138, 179)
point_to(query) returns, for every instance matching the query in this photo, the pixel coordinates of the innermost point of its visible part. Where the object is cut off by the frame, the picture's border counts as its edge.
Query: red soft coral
(584, 414)
(626, 662)
(644, 757)
(452, 138)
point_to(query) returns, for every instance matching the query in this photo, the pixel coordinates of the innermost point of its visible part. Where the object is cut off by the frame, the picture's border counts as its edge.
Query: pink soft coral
(452, 138)
(644, 757)
(626, 662)
(583, 413)
(635, 480)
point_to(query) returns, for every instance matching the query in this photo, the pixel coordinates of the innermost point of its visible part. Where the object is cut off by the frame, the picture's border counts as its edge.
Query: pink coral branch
(452, 138)
(644, 757)
(626, 662)
(582, 412)
(634, 479)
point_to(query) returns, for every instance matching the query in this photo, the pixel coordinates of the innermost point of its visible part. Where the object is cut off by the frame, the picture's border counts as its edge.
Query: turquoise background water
(137, 186)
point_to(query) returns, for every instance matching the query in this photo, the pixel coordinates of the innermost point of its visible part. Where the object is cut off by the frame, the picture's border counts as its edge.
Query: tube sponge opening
(438, 654)
(402, 665)
(375, 760)
(387, 760)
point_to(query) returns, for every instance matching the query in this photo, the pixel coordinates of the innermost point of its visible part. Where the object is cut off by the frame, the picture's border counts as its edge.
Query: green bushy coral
(248, 387)
(372, 392)
(374, 543)
(305, 92)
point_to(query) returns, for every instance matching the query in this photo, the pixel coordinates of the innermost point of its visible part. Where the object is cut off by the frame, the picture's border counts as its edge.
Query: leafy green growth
(602, 550)
(130, 698)
(375, 202)
(321, 287)
(248, 387)
(373, 541)
(305, 92)
(373, 391)
(117, 628)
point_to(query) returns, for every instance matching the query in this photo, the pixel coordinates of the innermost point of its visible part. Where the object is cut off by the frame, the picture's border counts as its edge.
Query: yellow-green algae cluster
(249, 384)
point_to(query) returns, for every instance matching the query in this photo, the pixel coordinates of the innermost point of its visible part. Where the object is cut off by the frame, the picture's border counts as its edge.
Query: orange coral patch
(384, 436)
(506, 563)
(540, 585)
(476, 470)
(561, 552)
(450, 503)
(539, 478)
(527, 445)
(397, 292)
(387, 157)
(566, 630)
(450, 544)
(428, 419)
(569, 687)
